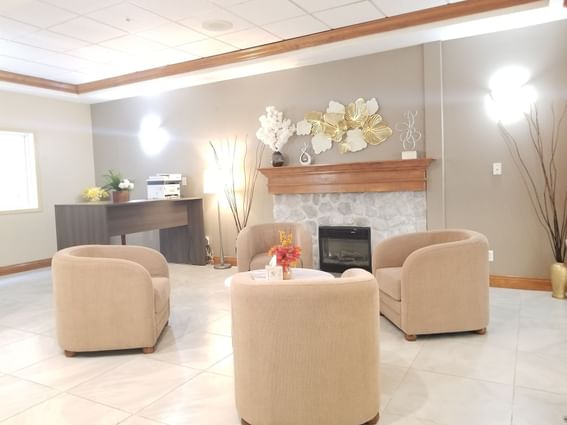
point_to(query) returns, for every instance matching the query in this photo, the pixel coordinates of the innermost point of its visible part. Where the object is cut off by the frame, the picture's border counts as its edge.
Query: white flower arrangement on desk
(274, 130)
(116, 182)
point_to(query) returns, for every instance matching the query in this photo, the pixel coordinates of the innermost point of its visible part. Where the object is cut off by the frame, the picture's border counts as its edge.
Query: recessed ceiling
(82, 41)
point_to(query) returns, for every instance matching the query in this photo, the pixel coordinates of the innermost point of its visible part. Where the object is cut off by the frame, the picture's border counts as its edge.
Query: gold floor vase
(558, 274)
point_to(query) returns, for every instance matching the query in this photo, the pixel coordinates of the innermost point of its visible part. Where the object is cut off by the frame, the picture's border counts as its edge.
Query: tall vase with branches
(231, 157)
(547, 197)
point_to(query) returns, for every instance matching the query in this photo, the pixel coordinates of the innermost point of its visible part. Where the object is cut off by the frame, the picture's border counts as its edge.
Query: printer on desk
(164, 186)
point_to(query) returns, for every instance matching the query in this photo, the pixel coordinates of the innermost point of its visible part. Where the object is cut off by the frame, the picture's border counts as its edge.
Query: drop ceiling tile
(249, 38)
(82, 6)
(296, 27)
(74, 77)
(71, 63)
(208, 47)
(349, 15)
(28, 68)
(34, 12)
(165, 57)
(96, 53)
(196, 21)
(392, 8)
(50, 41)
(128, 17)
(88, 30)
(133, 44)
(10, 29)
(21, 51)
(172, 34)
(318, 5)
(175, 9)
(262, 12)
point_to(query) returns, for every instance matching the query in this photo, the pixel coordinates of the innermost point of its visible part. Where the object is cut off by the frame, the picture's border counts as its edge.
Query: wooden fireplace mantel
(408, 175)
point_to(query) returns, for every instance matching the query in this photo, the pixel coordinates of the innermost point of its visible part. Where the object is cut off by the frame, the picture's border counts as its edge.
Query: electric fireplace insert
(344, 247)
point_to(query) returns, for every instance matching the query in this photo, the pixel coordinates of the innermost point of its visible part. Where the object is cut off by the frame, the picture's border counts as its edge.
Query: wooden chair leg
(374, 420)
(410, 337)
(148, 350)
(69, 353)
(481, 331)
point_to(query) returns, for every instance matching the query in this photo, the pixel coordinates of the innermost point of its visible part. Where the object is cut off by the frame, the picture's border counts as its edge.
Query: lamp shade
(212, 184)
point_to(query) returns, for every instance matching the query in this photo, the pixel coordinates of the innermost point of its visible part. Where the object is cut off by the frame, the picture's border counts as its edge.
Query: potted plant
(119, 187)
(541, 177)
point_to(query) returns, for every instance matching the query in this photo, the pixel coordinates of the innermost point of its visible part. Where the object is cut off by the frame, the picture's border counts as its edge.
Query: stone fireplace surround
(393, 201)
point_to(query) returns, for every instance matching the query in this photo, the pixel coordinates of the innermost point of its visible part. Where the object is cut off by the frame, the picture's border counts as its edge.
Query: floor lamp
(211, 186)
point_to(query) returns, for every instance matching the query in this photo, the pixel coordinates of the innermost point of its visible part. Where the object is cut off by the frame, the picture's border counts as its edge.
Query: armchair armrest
(392, 252)
(445, 280)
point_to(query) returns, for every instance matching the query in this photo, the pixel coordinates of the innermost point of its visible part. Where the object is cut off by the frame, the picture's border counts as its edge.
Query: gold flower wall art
(353, 127)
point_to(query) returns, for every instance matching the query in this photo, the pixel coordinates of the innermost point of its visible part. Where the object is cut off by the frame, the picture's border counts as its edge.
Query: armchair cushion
(390, 279)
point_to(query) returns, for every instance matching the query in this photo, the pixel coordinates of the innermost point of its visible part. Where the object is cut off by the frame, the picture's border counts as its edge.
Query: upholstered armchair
(109, 297)
(254, 242)
(306, 351)
(434, 282)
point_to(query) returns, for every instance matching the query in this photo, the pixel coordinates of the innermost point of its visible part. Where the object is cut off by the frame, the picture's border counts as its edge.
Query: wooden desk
(182, 230)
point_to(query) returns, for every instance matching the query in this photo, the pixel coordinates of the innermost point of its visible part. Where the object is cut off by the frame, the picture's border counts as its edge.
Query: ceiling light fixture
(216, 25)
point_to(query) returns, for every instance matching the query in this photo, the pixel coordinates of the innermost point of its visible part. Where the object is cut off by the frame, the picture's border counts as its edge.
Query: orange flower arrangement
(286, 253)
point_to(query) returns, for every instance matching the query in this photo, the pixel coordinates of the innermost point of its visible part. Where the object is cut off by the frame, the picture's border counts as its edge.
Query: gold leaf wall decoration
(353, 127)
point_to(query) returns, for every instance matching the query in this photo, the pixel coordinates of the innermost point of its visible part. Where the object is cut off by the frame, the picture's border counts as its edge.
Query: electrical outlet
(496, 168)
(208, 240)
(490, 255)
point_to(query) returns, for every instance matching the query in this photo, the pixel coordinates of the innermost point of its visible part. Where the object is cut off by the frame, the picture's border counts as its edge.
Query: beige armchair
(254, 242)
(434, 282)
(306, 351)
(109, 297)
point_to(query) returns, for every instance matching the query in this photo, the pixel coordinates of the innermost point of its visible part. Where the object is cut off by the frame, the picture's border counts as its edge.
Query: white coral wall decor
(353, 126)
(274, 130)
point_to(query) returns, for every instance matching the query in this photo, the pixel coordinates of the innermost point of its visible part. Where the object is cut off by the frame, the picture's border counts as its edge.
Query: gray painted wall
(446, 82)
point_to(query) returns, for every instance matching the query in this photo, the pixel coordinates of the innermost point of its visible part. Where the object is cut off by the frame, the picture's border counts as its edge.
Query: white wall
(63, 142)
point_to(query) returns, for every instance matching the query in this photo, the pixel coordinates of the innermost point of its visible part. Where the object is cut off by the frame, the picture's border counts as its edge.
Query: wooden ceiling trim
(420, 17)
(12, 77)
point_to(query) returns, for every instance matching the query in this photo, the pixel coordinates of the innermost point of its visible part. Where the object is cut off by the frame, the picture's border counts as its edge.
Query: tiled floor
(515, 374)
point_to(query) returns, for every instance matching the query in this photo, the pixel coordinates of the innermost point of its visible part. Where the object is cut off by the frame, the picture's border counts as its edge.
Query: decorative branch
(230, 168)
(550, 210)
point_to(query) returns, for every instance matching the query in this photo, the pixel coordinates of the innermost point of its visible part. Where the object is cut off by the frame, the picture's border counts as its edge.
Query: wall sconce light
(510, 97)
(153, 137)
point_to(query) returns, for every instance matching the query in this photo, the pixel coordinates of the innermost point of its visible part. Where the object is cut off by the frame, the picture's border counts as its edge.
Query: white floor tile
(10, 335)
(451, 400)
(224, 367)
(467, 360)
(62, 373)
(538, 408)
(206, 399)
(26, 352)
(17, 395)
(66, 409)
(198, 350)
(138, 420)
(541, 372)
(135, 384)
